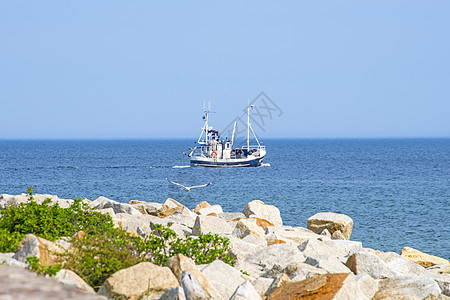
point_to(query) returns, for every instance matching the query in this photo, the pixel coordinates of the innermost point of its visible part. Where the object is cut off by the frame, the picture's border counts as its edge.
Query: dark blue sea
(397, 191)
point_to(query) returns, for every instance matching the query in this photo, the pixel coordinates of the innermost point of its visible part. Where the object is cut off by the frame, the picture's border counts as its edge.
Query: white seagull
(188, 188)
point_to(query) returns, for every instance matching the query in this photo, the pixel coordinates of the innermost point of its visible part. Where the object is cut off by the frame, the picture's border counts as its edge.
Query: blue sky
(142, 69)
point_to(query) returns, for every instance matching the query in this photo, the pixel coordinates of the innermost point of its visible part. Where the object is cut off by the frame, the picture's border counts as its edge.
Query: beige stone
(421, 258)
(201, 205)
(138, 281)
(331, 221)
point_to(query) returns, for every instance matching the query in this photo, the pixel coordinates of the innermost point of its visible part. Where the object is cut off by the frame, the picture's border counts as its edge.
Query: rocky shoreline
(273, 261)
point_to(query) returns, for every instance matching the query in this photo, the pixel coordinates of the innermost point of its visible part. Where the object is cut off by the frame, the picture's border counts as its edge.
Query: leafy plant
(40, 269)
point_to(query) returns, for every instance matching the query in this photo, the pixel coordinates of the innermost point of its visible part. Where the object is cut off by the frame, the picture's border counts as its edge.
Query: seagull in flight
(188, 188)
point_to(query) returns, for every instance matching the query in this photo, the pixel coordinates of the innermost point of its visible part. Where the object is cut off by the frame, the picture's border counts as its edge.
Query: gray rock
(268, 212)
(182, 219)
(264, 259)
(328, 263)
(245, 291)
(173, 294)
(103, 202)
(70, 278)
(303, 271)
(205, 224)
(131, 223)
(30, 248)
(440, 268)
(192, 289)
(368, 263)
(231, 216)
(246, 227)
(241, 249)
(5, 256)
(223, 277)
(278, 281)
(407, 287)
(443, 280)
(15, 263)
(109, 211)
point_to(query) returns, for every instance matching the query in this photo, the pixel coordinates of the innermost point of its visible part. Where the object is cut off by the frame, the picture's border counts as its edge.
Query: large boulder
(241, 249)
(328, 263)
(231, 216)
(71, 278)
(191, 288)
(147, 208)
(369, 263)
(223, 277)
(264, 259)
(180, 263)
(139, 280)
(211, 224)
(103, 202)
(319, 247)
(332, 222)
(326, 286)
(46, 251)
(260, 210)
(246, 291)
(288, 234)
(407, 287)
(213, 209)
(248, 226)
(421, 258)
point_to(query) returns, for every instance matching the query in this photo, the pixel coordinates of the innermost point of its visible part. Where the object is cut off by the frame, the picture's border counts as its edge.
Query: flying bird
(188, 188)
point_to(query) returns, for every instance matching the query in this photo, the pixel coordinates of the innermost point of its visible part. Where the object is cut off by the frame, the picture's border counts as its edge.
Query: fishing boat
(212, 151)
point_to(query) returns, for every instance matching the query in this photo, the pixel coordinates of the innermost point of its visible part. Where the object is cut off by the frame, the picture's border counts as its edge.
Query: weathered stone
(47, 252)
(326, 233)
(296, 235)
(421, 258)
(349, 246)
(406, 287)
(332, 222)
(147, 208)
(443, 281)
(264, 259)
(139, 280)
(241, 249)
(131, 223)
(268, 212)
(71, 278)
(201, 205)
(181, 219)
(103, 202)
(368, 263)
(231, 216)
(258, 241)
(313, 247)
(217, 209)
(245, 291)
(173, 294)
(401, 265)
(192, 289)
(223, 277)
(15, 263)
(5, 256)
(180, 263)
(367, 285)
(18, 283)
(337, 235)
(301, 271)
(262, 284)
(318, 287)
(328, 263)
(109, 211)
(246, 227)
(205, 224)
(277, 282)
(440, 268)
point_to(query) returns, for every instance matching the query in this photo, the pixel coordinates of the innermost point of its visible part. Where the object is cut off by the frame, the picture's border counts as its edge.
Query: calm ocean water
(397, 191)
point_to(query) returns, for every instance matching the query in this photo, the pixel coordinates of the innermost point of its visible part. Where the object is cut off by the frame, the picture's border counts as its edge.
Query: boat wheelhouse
(212, 151)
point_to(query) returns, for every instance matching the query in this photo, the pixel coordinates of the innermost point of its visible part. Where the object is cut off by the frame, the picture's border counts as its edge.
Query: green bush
(103, 249)
(40, 269)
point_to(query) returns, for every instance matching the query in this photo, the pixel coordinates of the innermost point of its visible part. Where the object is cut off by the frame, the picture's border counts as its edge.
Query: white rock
(314, 247)
(109, 211)
(245, 291)
(337, 235)
(71, 278)
(181, 219)
(103, 202)
(246, 227)
(264, 259)
(213, 209)
(349, 246)
(231, 216)
(205, 224)
(368, 263)
(192, 289)
(268, 212)
(223, 277)
(332, 222)
(295, 234)
(262, 284)
(407, 287)
(367, 284)
(350, 290)
(328, 263)
(5, 256)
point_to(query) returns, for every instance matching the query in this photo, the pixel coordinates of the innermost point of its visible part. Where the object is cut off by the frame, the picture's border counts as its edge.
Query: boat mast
(248, 126)
(232, 136)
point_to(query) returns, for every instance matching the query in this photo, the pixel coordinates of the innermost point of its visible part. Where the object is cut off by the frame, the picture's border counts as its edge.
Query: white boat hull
(250, 161)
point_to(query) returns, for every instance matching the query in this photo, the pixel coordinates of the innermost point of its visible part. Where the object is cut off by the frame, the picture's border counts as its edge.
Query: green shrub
(9, 240)
(40, 269)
